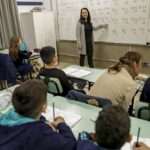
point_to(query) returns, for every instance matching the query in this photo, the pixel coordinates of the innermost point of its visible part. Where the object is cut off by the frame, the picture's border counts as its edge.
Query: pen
(138, 136)
(53, 111)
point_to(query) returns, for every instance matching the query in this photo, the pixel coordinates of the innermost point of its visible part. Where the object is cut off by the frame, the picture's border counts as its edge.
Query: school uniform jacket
(18, 133)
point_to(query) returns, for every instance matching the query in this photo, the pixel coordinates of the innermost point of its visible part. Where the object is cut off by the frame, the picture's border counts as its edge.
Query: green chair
(53, 84)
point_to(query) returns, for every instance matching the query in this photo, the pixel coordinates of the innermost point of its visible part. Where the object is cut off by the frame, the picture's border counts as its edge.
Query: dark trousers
(89, 52)
(81, 97)
(89, 58)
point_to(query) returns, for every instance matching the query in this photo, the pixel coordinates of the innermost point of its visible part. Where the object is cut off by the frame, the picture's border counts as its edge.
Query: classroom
(74, 74)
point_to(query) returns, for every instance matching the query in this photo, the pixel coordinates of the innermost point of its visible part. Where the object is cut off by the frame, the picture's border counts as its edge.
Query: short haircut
(29, 98)
(112, 127)
(47, 54)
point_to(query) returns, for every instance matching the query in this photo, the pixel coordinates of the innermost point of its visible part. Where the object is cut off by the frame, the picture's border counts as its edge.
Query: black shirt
(57, 73)
(88, 32)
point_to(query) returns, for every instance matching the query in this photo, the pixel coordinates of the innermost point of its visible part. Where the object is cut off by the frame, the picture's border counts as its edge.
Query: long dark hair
(128, 59)
(13, 48)
(89, 16)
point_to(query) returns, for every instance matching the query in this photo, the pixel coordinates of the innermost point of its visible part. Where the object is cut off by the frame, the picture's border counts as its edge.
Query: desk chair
(144, 111)
(54, 85)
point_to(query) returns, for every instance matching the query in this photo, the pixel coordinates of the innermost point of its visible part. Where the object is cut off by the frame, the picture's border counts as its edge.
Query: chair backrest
(53, 84)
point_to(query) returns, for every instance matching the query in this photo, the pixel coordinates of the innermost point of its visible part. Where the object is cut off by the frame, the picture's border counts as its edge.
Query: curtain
(9, 22)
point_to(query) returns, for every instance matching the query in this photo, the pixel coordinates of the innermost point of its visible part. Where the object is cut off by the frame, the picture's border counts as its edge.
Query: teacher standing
(84, 35)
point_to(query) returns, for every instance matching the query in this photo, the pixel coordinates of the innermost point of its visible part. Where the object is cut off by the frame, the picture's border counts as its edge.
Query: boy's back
(59, 74)
(35, 135)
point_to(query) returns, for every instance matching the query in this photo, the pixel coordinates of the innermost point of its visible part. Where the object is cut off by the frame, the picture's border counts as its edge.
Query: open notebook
(128, 146)
(70, 118)
(76, 72)
(5, 100)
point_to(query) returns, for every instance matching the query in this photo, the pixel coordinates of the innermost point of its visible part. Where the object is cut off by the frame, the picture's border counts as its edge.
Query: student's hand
(93, 102)
(141, 146)
(57, 121)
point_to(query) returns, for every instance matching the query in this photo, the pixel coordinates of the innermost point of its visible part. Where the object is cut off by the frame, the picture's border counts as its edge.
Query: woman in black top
(84, 34)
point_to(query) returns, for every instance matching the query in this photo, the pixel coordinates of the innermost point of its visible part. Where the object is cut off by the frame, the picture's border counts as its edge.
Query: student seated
(24, 128)
(19, 53)
(117, 83)
(112, 131)
(50, 60)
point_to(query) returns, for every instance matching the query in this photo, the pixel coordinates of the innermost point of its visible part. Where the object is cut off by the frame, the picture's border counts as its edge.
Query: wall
(104, 54)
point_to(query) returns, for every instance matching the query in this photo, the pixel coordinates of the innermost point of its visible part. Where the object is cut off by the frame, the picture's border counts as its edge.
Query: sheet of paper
(70, 70)
(128, 146)
(76, 72)
(80, 73)
(70, 118)
(5, 100)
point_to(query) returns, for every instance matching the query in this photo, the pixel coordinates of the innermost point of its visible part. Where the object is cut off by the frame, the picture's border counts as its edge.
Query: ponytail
(128, 59)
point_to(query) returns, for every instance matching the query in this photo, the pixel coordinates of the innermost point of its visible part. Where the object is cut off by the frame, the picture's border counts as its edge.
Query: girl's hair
(29, 98)
(89, 15)
(128, 59)
(14, 48)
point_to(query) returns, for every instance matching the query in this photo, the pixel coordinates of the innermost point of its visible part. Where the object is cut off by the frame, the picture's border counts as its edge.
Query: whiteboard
(128, 20)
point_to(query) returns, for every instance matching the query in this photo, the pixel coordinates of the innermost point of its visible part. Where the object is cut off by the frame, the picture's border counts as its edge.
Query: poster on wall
(30, 2)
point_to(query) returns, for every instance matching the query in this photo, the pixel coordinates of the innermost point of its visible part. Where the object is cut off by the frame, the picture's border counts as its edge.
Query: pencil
(138, 136)
(53, 111)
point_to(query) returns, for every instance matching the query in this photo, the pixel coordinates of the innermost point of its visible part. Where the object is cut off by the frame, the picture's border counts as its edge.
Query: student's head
(48, 55)
(131, 60)
(29, 99)
(113, 127)
(14, 47)
(85, 14)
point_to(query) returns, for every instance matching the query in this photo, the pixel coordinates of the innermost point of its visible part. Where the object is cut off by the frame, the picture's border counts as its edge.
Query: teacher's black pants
(89, 57)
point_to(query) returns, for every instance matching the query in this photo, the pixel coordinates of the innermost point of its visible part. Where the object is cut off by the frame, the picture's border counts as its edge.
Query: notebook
(76, 72)
(70, 118)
